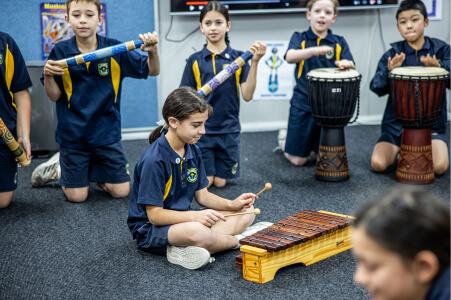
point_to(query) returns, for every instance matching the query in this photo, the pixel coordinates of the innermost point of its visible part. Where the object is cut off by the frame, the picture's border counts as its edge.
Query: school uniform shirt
(163, 178)
(13, 78)
(380, 84)
(89, 109)
(307, 39)
(200, 68)
(440, 289)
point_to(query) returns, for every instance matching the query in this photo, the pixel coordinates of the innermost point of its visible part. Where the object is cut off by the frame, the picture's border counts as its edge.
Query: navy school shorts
(221, 154)
(153, 238)
(8, 170)
(107, 164)
(303, 133)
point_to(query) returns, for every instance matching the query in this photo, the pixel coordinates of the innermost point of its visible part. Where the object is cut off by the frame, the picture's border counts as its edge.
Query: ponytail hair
(180, 104)
(220, 8)
(407, 221)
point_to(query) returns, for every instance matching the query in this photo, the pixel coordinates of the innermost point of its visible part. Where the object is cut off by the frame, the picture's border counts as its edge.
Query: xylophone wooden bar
(305, 237)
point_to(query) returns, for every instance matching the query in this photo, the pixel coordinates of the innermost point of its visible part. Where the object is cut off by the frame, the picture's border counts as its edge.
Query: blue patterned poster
(275, 80)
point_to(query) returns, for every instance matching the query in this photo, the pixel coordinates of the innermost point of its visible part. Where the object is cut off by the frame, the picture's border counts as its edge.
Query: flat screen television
(187, 7)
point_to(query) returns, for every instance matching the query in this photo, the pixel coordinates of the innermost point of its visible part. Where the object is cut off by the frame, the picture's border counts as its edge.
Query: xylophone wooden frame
(260, 265)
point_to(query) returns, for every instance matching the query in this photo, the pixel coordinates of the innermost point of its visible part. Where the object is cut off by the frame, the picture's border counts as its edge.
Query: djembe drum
(333, 95)
(418, 94)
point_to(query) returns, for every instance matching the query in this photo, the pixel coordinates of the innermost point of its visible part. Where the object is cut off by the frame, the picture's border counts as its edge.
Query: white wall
(360, 28)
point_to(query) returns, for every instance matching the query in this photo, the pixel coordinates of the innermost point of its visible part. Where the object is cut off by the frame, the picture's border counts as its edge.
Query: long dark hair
(180, 104)
(220, 8)
(412, 4)
(407, 221)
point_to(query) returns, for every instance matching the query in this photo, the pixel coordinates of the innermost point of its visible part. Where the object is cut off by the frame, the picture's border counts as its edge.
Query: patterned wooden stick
(101, 53)
(13, 145)
(225, 74)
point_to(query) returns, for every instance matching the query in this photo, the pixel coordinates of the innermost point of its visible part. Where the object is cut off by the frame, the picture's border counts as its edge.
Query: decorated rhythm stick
(268, 186)
(255, 211)
(102, 53)
(225, 74)
(13, 145)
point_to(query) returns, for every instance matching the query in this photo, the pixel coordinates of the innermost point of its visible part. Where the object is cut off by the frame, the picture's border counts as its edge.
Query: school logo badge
(127, 169)
(15, 178)
(330, 54)
(103, 69)
(1, 58)
(192, 175)
(234, 168)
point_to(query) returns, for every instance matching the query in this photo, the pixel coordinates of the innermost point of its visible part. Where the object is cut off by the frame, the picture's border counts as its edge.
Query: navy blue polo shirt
(13, 78)
(225, 99)
(163, 178)
(440, 289)
(89, 109)
(306, 39)
(413, 56)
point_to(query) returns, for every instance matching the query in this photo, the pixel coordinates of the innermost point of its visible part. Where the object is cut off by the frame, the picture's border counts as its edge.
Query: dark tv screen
(186, 7)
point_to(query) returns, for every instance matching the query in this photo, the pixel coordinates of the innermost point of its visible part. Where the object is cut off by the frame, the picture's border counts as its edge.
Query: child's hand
(246, 200)
(259, 50)
(396, 61)
(322, 50)
(345, 64)
(429, 61)
(25, 144)
(208, 217)
(149, 39)
(52, 68)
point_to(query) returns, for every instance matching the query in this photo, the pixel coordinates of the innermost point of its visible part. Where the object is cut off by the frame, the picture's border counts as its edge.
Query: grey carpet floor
(53, 249)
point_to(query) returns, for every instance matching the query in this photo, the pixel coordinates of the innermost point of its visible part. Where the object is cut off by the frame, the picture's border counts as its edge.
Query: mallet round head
(268, 186)
(257, 211)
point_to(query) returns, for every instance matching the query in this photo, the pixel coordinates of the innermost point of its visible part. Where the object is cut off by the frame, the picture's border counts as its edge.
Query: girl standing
(221, 145)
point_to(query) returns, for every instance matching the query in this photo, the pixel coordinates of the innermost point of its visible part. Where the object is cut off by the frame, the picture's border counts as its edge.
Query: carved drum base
(415, 164)
(332, 161)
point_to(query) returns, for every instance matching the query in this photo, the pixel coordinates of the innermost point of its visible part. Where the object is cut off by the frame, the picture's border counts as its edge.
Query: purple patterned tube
(225, 74)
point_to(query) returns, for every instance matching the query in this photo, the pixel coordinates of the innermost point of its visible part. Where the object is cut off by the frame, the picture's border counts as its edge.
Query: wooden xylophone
(305, 237)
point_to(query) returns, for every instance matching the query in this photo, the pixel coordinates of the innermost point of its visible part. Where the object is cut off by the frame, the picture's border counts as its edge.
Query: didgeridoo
(13, 145)
(101, 53)
(225, 74)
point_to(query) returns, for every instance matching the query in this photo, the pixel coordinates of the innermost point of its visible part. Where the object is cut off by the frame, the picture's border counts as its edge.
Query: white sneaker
(47, 171)
(253, 229)
(281, 138)
(282, 135)
(189, 257)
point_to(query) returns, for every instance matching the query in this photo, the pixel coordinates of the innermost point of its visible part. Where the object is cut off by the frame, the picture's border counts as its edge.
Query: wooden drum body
(333, 96)
(418, 94)
(305, 237)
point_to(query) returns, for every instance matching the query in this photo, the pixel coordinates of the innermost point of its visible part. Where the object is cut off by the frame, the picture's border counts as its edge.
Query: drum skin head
(333, 73)
(418, 72)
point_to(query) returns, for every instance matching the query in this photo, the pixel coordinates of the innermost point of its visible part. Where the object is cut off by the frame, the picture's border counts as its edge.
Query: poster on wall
(54, 27)
(434, 8)
(275, 79)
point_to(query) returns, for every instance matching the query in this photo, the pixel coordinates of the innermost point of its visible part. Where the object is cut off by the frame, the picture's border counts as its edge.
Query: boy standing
(311, 49)
(15, 111)
(87, 100)
(415, 50)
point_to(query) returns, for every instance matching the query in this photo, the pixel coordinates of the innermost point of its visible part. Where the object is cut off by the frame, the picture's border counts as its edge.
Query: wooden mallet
(255, 211)
(268, 186)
